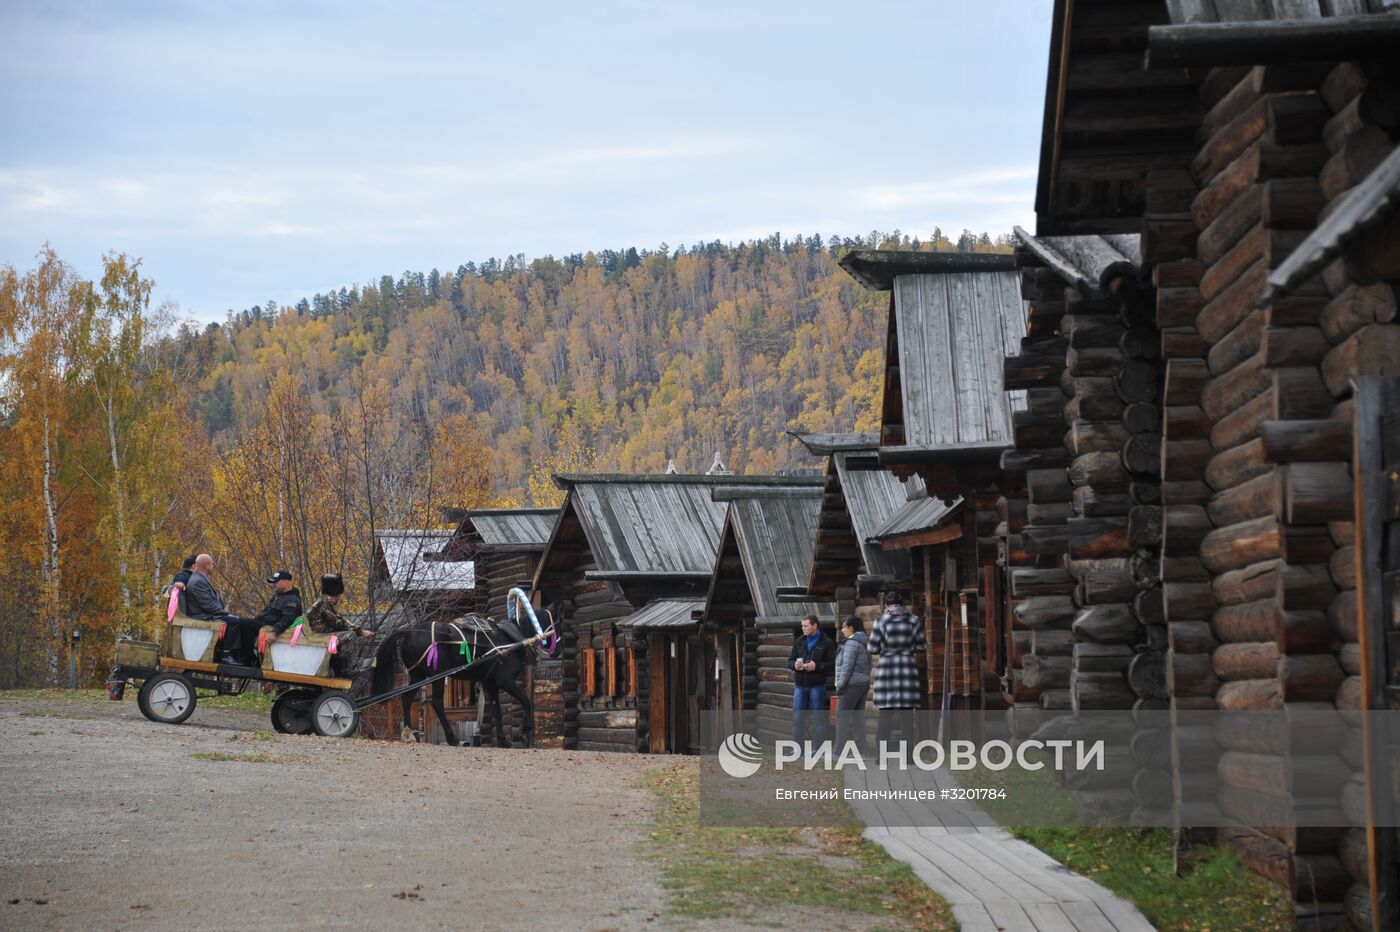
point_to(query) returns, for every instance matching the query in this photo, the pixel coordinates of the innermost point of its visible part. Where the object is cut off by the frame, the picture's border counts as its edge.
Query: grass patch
(757, 874)
(1217, 893)
(221, 757)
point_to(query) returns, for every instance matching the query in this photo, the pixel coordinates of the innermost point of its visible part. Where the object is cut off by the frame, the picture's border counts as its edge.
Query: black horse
(426, 648)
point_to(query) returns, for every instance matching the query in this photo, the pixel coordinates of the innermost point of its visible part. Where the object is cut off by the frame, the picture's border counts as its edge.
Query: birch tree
(37, 316)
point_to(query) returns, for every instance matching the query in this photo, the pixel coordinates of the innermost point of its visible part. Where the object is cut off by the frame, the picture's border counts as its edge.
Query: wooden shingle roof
(667, 525)
(949, 329)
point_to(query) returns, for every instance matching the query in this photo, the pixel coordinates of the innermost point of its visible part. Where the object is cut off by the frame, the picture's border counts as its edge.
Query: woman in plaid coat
(897, 639)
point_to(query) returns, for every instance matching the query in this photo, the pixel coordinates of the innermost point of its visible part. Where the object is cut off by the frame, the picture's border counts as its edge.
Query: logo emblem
(740, 755)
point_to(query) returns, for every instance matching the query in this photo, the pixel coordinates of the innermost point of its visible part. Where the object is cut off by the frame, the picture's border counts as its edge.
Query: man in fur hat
(323, 617)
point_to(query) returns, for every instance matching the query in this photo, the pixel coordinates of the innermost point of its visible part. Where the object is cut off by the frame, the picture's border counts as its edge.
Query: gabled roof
(1087, 262)
(664, 526)
(507, 529)
(665, 613)
(860, 497)
(408, 559)
(773, 537)
(948, 333)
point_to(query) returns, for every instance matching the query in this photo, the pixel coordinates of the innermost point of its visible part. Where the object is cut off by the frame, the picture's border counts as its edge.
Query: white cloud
(996, 186)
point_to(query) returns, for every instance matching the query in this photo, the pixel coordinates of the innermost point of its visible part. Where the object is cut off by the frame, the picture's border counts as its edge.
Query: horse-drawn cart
(171, 672)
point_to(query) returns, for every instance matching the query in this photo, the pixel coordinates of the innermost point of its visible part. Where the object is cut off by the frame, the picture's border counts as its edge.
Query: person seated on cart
(203, 603)
(283, 608)
(182, 578)
(323, 617)
(181, 582)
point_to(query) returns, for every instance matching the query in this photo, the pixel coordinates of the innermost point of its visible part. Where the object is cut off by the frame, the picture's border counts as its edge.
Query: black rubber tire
(167, 698)
(291, 712)
(334, 715)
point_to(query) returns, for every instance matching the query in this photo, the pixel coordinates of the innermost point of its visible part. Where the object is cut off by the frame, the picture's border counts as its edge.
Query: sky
(264, 151)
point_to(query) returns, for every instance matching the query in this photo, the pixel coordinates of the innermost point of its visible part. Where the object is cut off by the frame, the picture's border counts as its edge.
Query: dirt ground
(110, 822)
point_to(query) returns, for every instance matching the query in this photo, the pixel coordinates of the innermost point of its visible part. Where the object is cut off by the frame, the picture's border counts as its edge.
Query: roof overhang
(877, 269)
(825, 444)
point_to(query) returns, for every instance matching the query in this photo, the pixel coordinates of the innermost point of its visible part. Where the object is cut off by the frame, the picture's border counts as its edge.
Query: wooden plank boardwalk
(992, 880)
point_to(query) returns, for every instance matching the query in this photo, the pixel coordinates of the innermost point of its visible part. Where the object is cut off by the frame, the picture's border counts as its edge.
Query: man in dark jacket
(202, 602)
(181, 580)
(285, 605)
(812, 659)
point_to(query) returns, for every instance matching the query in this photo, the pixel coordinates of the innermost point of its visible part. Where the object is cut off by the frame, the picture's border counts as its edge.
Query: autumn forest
(282, 435)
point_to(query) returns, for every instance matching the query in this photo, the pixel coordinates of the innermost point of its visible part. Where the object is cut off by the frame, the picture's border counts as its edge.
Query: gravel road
(113, 822)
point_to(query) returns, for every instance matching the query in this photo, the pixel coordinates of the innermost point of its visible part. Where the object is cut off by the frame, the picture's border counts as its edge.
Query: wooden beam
(329, 682)
(1332, 38)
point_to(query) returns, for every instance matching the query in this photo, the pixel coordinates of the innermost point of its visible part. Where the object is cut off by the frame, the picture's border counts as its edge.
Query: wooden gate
(1376, 472)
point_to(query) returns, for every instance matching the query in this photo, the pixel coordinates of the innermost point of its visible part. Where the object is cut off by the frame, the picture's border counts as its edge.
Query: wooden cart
(170, 674)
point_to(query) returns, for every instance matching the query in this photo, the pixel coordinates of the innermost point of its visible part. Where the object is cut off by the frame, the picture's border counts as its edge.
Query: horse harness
(477, 626)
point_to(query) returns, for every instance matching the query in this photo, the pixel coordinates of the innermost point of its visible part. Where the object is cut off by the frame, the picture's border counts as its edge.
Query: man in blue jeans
(812, 659)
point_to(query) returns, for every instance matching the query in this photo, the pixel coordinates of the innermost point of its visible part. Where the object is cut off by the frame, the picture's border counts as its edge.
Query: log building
(944, 423)
(858, 498)
(765, 547)
(1253, 157)
(620, 543)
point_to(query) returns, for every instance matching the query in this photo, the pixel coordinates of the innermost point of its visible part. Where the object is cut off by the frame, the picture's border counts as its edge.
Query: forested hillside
(634, 357)
(284, 435)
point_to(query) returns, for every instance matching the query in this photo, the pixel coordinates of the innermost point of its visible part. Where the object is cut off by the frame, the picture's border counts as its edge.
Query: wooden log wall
(1358, 323)
(773, 695)
(608, 720)
(1035, 508)
(1186, 599)
(598, 722)
(1261, 404)
(1082, 547)
(497, 574)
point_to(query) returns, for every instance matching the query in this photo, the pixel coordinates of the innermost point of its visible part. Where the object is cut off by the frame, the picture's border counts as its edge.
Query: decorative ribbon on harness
(516, 597)
(262, 642)
(296, 635)
(333, 645)
(433, 655)
(173, 608)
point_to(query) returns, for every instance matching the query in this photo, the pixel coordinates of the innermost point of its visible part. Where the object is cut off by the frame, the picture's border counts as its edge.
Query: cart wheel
(167, 698)
(291, 713)
(333, 715)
